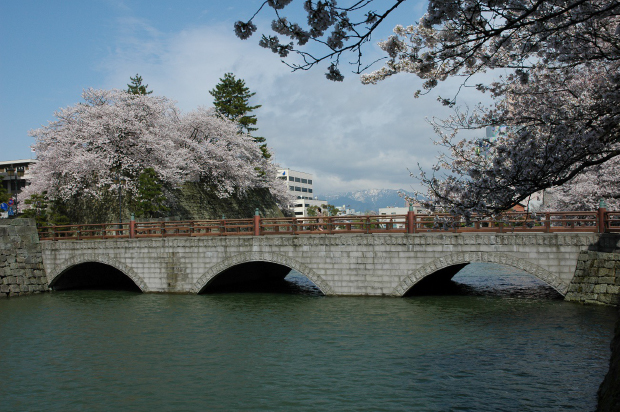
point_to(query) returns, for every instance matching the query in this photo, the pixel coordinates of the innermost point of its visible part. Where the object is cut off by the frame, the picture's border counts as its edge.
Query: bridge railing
(84, 232)
(224, 227)
(612, 222)
(333, 225)
(547, 222)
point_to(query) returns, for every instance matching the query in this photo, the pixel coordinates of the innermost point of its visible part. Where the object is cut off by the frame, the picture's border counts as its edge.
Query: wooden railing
(548, 222)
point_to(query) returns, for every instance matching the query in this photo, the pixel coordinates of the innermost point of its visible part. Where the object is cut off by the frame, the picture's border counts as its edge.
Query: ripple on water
(99, 350)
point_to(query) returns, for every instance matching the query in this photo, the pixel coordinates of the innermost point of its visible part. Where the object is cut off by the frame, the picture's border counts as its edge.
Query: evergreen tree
(136, 86)
(231, 98)
(4, 195)
(38, 208)
(150, 199)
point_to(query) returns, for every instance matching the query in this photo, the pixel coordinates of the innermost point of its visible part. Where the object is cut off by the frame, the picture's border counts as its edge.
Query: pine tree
(231, 98)
(136, 86)
(4, 195)
(150, 201)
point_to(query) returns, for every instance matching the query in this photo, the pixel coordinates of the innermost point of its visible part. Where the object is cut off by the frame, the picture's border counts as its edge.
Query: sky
(348, 135)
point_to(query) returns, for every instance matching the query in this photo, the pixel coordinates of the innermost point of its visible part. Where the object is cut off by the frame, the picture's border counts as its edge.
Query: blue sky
(350, 136)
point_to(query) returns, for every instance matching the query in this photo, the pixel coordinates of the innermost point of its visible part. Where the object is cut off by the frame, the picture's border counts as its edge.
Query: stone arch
(92, 258)
(248, 257)
(488, 257)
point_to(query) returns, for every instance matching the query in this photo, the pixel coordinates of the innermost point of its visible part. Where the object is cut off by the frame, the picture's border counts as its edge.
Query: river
(502, 341)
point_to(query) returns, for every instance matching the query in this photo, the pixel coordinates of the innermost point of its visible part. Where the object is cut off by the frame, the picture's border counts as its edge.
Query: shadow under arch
(462, 259)
(57, 273)
(250, 257)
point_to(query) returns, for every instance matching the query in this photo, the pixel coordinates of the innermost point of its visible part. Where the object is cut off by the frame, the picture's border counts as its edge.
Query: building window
(292, 188)
(304, 180)
(291, 179)
(309, 190)
(297, 180)
(309, 181)
(304, 189)
(282, 177)
(297, 189)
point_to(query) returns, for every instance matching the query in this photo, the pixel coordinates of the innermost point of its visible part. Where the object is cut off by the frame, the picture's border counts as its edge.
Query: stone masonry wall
(597, 279)
(21, 264)
(381, 264)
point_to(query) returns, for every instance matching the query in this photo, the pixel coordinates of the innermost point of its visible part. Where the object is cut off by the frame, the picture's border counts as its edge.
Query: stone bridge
(338, 264)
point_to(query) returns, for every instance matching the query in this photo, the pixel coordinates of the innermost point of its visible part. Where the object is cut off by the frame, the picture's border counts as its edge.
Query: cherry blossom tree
(560, 91)
(587, 189)
(113, 136)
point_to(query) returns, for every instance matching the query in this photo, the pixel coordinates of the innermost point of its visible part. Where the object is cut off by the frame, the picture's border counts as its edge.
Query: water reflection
(490, 279)
(106, 350)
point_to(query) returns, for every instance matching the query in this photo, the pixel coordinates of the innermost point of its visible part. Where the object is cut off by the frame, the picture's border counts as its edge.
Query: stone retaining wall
(597, 279)
(21, 264)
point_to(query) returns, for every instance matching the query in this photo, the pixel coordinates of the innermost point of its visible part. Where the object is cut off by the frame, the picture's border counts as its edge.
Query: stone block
(612, 289)
(600, 288)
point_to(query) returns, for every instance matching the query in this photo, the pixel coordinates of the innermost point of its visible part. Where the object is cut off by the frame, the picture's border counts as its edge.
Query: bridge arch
(241, 258)
(61, 268)
(487, 257)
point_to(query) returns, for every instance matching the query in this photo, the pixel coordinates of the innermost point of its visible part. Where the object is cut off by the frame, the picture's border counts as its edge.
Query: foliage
(37, 208)
(114, 134)
(150, 200)
(136, 86)
(44, 212)
(312, 211)
(231, 98)
(323, 210)
(4, 195)
(330, 210)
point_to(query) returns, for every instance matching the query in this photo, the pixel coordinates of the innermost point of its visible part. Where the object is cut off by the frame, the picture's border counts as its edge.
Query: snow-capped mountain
(367, 200)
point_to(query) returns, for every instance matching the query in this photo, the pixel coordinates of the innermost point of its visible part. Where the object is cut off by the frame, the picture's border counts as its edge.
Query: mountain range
(367, 200)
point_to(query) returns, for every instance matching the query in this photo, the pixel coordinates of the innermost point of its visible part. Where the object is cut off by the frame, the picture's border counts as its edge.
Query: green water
(503, 344)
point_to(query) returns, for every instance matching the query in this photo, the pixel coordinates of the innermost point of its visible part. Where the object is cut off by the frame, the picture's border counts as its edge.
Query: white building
(15, 174)
(389, 211)
(417, 208)
(300, 186)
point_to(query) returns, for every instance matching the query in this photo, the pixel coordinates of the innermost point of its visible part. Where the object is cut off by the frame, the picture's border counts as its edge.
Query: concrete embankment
(21, 263)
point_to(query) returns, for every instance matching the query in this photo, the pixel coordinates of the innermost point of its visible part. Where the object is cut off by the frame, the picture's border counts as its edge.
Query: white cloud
(350, 136)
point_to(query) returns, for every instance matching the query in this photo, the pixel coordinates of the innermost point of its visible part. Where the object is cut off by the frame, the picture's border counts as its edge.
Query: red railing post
(410, 220)
(547, 222)
(602, 212)
(132, 227)
(256, 222)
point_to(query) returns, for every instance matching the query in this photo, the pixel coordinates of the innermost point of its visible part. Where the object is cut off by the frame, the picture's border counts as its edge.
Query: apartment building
(301, 187)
